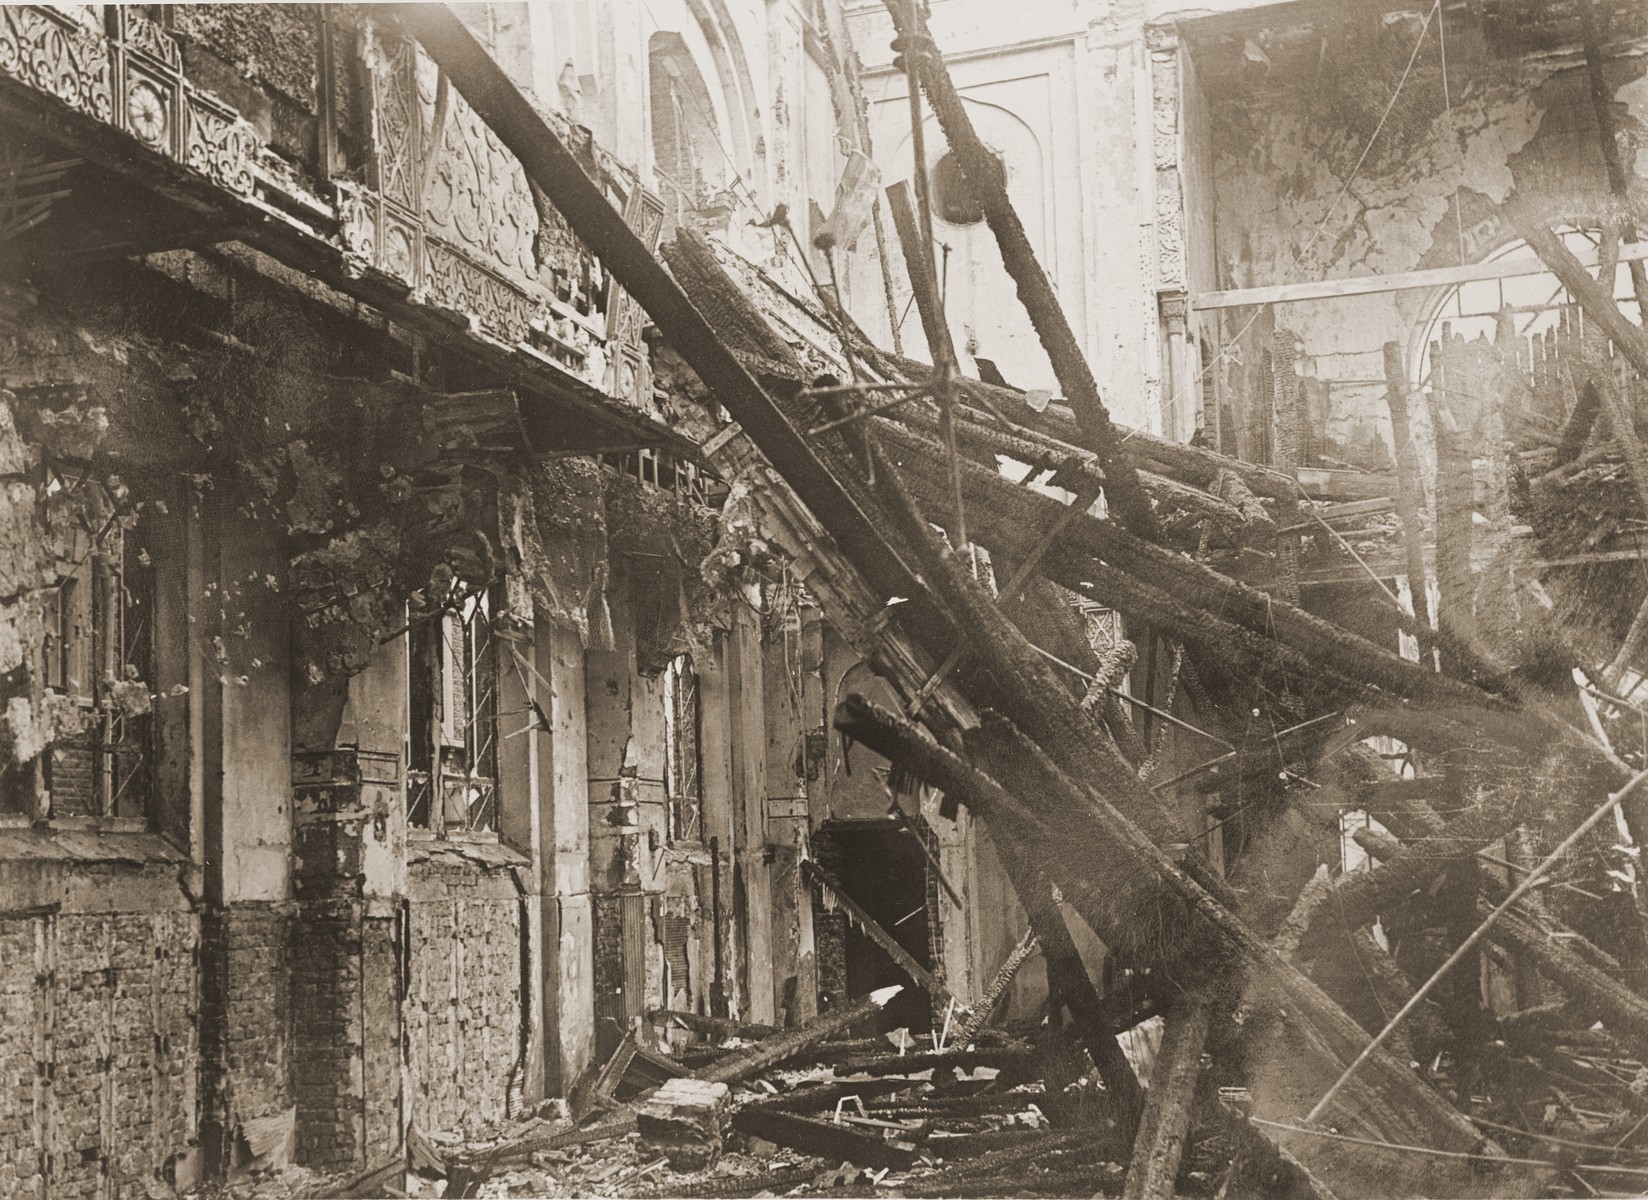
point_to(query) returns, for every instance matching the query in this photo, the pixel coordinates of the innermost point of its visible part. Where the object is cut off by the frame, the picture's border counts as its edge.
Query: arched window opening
(1538, 304)
(688, 157)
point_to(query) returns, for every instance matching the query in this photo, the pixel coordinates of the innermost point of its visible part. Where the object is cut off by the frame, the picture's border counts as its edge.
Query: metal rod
(1133, 700)
(875, 411)
(927, 852)
(1481, 931)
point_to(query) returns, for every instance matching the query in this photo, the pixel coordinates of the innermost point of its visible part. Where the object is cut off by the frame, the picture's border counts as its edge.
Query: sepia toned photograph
(644, 599)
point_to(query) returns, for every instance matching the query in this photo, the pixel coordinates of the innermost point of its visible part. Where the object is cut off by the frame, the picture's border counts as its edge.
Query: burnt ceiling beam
(988, 182)
(550, 165)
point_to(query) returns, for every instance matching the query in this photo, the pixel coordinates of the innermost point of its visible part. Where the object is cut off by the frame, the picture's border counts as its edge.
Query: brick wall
(98, 1052)
(248, 949)
(326, 986)
(463, 1010)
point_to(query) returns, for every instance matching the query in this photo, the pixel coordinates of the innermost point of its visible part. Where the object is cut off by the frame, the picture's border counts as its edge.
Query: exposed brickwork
(98, 1052)
(464, 1012)
(326, 989)
(259, 976)
(381, 1035)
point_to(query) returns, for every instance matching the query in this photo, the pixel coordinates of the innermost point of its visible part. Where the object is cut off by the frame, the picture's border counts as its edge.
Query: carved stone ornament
(220, 145)
(452, 281)
(133, 82)
(52, 52)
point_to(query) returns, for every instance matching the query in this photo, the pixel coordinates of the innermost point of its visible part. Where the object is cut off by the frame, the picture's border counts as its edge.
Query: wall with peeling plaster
(1279, 167)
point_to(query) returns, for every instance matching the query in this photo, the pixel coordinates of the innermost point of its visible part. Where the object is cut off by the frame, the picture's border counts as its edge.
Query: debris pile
(1370, 1034)
(1002, 1113)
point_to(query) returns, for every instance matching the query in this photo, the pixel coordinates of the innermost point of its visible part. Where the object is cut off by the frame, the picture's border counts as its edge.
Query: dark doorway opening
(883, 869)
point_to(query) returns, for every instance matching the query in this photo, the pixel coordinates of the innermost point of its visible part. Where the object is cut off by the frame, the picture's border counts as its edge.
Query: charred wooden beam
(740, 1065)
(714, 1027)
(918, 262)
(980, 1012)
(1145, 906)
(1021, 683)
(1165, 1130)
(1556, 951)
(918, 974)
(835, 1142)
(989, 185)
(744, 1064)
(1206, 598)
(1596, 300)
(550, 165)
(1410, 496)
(1619, 176)
(1014, 1061)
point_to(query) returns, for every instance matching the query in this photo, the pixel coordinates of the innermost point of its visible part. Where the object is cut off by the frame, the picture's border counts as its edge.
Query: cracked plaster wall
(1281, 162)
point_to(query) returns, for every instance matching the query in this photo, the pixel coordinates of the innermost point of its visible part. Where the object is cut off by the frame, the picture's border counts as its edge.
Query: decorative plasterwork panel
(133, 81)
(56, 54)
(1163, 50)
(475, 196)
(627, 375)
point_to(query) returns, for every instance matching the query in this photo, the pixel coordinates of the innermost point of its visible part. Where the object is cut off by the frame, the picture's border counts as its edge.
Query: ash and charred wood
(1230, 488)
(739, 1065)
(988, 182)
(918, 974)
(1410, 495)
(725, 1187)
(1359, 897)
(1206, 598)
(825, 1097)
(744, 1064)
(960, 1146)
(1013, 1062)
(1040, 1143)
(1003, 979)
(1075, 1181)
(1165, 1129)
(1146, 907)
(1576, 431)
(1238, 514)
(919, 266)
(1021, 682)
(932, 1107)
(1623, 423)
(824, 1139)
(1303, 912)
(1194, 465)
(714, 1027)
(1619, 177)
(1069, 984)
(1285, 421)
(736, 319)
(1564, 957)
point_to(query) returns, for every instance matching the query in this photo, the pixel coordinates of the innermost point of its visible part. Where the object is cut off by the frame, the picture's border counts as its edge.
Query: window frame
(457, 643)
(679, 679)
(86, 645)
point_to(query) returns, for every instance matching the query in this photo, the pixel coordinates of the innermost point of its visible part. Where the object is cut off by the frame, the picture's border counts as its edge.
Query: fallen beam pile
(1057, 779)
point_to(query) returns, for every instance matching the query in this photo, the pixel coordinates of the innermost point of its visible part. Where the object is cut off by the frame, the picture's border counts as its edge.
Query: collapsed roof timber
(514, 680)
